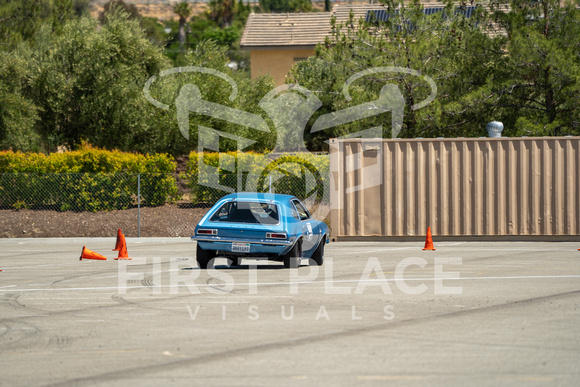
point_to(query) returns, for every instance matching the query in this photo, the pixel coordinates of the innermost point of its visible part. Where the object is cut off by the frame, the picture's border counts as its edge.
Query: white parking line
(379, 250)
(33, 266)
(532, 277)
(26, 251)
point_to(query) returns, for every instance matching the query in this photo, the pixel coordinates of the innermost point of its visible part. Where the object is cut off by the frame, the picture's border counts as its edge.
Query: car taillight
(276, 235)
(205, 231)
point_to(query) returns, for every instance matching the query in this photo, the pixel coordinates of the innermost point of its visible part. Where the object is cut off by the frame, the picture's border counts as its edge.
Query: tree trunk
(181, 33)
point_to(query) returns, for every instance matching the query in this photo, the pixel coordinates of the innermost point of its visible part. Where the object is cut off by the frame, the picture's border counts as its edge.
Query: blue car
(260, 225)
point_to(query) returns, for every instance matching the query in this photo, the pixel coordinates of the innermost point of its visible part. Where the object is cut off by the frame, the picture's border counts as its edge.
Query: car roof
(259, 196)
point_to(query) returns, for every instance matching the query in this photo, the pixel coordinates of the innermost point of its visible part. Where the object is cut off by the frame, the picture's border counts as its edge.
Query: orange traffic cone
(123, 254)
(118, 244)
(429, 241)
(88, 254)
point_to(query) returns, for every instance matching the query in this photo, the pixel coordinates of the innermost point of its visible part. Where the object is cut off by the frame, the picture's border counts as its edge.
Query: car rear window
(247, 212)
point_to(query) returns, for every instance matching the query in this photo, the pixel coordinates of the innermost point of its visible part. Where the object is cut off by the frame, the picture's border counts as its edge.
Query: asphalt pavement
(469, 313)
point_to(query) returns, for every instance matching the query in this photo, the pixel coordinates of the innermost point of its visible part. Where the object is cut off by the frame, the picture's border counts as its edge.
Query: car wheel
(204, 257)
(318, 256)
(235, 261)
(292, 258)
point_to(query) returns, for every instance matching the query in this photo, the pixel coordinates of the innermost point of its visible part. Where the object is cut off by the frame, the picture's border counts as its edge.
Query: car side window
(294, 212)
(223, 213)
(301, 211)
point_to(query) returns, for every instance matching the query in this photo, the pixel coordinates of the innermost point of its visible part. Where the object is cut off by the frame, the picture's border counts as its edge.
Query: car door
(307, 226)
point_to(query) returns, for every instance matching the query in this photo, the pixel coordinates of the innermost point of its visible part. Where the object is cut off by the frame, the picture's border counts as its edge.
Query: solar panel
(432, 11)
(466, 11)
(381, 15)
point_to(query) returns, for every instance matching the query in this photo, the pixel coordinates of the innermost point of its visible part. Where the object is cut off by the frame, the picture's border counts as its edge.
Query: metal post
(270, 188)
(138, 205)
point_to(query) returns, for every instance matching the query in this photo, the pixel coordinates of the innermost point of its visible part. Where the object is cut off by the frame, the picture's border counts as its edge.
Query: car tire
(292, 258)
(318, 256)
(235, 261)
(204, 257)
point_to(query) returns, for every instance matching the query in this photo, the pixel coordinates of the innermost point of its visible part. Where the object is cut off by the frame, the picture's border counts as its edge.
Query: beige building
(277, 41)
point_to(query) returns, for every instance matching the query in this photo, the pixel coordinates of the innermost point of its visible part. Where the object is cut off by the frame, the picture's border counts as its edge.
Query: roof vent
(494, 129)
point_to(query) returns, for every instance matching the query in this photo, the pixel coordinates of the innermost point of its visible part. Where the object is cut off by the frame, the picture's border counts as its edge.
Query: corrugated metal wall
(458, 187)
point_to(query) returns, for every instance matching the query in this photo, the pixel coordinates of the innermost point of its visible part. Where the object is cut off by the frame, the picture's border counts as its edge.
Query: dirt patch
(176, 220)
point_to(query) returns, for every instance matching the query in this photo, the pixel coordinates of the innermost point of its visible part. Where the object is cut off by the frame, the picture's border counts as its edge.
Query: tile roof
(286, 29)
(297, 29)
(267, 30)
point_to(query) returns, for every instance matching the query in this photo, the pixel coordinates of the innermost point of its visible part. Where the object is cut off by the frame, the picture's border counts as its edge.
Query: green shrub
(85, 180)
(289, 174)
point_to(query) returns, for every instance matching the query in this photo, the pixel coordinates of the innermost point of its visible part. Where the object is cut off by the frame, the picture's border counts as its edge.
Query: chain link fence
(147, 204)
(85, 191)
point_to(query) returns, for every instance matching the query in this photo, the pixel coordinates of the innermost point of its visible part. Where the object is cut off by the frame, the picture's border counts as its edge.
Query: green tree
(129, 8)
(518, 65)
(154, 30)
(449, 48)
(81, 7)
(222, 12)
(208, 54)
(182, 10)
(84, 83)
(286, 5)
(327, 6)
(223, 23)
(538, 89)
(87, 82)
(21, 19)
(18, 114)
(227, 36)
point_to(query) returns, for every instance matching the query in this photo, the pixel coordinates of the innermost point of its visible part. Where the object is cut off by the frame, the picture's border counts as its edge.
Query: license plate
(240, 247)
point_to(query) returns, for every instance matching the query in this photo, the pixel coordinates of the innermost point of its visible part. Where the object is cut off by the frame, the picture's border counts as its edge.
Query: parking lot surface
(469, 313)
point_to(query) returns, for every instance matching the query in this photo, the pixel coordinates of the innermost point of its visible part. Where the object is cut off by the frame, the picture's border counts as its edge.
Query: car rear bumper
(265, 246)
